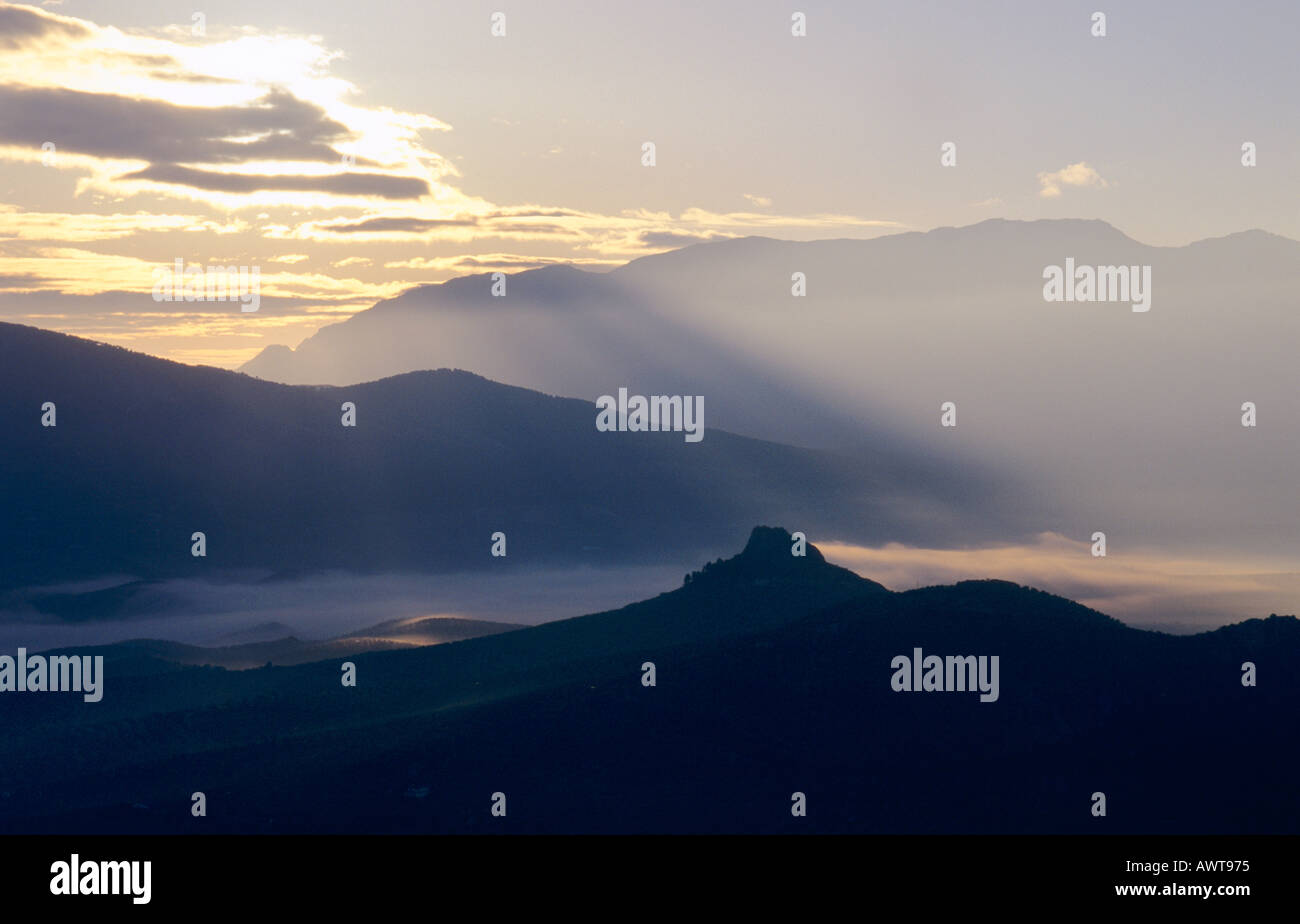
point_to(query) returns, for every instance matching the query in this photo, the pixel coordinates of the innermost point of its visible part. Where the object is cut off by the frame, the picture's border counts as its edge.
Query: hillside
(773, 675)
(146, 452)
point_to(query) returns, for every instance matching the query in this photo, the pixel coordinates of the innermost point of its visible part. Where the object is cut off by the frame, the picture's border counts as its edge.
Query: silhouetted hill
(773, 676)
(146, 452)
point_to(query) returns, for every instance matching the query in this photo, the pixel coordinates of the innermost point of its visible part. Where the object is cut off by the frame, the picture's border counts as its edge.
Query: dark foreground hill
(773, 676)
(147, 452)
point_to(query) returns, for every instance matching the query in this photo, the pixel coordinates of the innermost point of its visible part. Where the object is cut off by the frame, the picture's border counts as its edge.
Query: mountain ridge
(438, 462)
(482, 280)
(756, 695)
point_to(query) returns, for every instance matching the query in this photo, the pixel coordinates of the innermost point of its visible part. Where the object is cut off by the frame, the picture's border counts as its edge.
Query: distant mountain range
(773, 677)
(147, 452)
(1103, 415)
(567, 332)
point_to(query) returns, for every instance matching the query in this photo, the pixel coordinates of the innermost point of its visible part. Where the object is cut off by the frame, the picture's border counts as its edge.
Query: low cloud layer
(329, 605)
(1145, 589)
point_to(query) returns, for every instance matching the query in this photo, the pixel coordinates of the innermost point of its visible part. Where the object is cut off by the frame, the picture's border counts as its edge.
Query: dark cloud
(22, 306)
(279, 126)
(341, 184)
(179, 77)
(20, 281)
(515, 227)
(677, 238)
(149, 60)
(21, 26)
(408, 225)
(506, 262)
(534, 213)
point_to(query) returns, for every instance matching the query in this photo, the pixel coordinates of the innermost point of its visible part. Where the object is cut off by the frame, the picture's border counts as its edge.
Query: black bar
(337, 873)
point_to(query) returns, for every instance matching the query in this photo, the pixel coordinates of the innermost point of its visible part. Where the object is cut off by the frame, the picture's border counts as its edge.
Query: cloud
(345, 184)
(526, 212)
(1079, 174)
(1144, 588)
(180, 77)
(21, 25)
(275, 127)
(73, 310)
(80, 271)
(493, 261)
(405, 225)
(234, 143)
(527, 229)
(668, 239)
(180, 111)
(20, 281)
(79, 227)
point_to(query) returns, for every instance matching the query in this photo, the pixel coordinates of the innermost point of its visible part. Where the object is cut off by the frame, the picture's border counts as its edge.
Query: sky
(350, 151)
